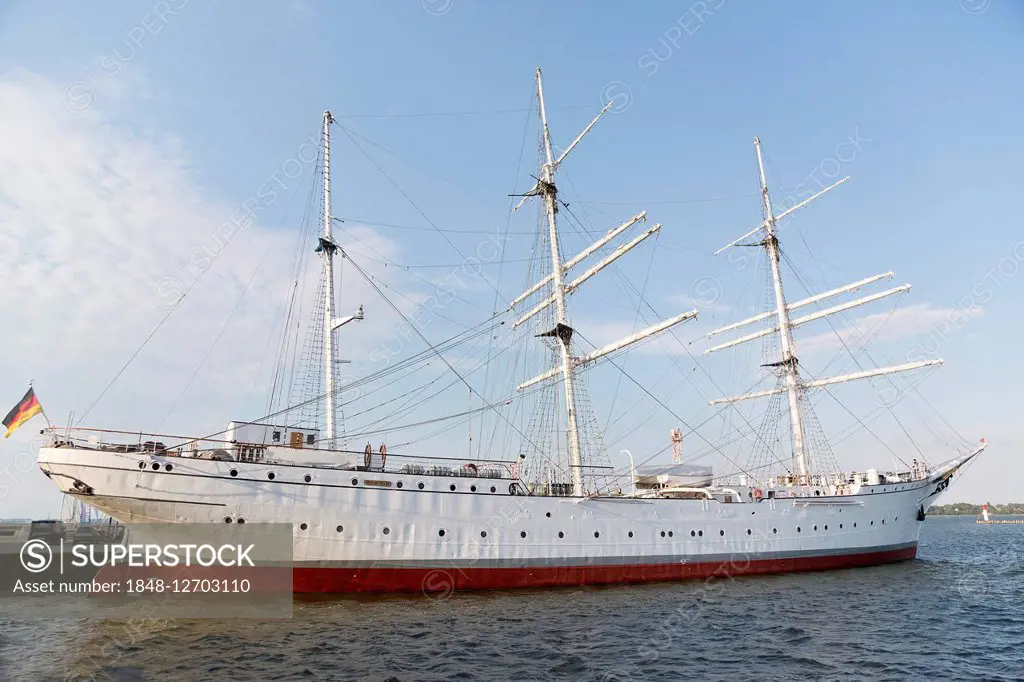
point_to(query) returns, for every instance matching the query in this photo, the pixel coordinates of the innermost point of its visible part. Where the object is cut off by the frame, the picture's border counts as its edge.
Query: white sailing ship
(377, 521)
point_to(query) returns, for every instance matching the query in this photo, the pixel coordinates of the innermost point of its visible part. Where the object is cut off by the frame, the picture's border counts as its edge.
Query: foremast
(562, 329)
(560, 289)
(789, 360)
(794, 385)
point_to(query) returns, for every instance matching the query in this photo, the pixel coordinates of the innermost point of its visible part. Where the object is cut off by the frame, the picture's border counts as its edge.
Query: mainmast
(789, 361)
(562, 329)
(327, 249)
(545, 188)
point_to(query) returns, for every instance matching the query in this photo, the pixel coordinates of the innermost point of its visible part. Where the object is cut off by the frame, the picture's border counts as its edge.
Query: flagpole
(49, 424)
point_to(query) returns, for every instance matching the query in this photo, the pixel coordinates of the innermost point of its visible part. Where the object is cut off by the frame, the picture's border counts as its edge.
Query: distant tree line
(964, 509)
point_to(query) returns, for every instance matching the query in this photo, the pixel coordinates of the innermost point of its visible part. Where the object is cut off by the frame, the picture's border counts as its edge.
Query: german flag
(22, 412)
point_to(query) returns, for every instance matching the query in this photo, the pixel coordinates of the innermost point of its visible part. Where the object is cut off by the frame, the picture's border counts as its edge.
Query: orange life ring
(758, 494)
(469, 466)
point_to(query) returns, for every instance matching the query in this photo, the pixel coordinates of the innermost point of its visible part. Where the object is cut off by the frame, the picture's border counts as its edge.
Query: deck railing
(208, 447)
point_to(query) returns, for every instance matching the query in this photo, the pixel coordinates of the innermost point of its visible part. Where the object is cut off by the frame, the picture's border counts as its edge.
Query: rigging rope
(629, 289)
(351, 137)
(431, 346)
(501, 263)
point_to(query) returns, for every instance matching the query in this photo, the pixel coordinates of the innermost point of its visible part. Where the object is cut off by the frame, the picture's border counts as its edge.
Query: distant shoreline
(964, 509)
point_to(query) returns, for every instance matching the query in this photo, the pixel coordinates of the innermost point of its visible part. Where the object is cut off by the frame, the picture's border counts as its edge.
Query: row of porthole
(798, 529)
(355, 481)
(307, 478)
(156, 466)
(522, 534)
(597, 534)
(239, 520)
(420, 485)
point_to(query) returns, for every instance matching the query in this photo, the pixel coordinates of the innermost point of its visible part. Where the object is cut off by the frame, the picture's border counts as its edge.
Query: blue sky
(131, 130)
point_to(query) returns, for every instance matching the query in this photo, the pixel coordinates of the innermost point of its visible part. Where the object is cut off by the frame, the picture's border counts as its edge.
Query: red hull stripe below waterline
(452, 578)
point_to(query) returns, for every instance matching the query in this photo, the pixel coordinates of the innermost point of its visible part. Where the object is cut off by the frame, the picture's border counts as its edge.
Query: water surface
(956, 612)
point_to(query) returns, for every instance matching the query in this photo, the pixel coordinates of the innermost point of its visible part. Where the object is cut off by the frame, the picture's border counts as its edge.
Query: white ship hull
(360, 531)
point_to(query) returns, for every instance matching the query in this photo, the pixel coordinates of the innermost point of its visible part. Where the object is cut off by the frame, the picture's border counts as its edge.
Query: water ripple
(955, 613)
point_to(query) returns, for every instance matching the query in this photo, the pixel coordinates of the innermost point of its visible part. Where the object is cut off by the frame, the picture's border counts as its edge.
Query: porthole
(168, 467)
(156, 466)
(693, 533)
(840, 526)
(472, 488)
(700, 533)
(872, 523)
(560, 534)
(234, 472)
(798, 529)
(883, 522)
(775, 531)
(227, 519)
(547, 514)
(522, 534)
(440, 532)
(670, 533)
(483, 533)
(597, 534)
(493, 489)
(722, 533)
(815, 528)
(307, 478)
(387, 530)
(303, 526)
(420, 486)
(748, 531)
(452, 487)
(355, 481)
(340, 528)
(271, 475)
(630, 534)
(398, 484)
(240, 521)
(895, 519)
(854, 524)
(142, 465)
(826, 527)
(662, 533)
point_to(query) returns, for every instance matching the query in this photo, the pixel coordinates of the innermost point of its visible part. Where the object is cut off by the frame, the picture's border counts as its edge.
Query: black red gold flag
(27, 408)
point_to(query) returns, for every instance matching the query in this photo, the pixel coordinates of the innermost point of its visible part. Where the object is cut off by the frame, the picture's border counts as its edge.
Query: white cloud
(93, 217)
(101, 225)
(922, 321)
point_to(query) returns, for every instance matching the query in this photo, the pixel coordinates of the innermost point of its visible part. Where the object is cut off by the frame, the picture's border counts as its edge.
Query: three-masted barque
(373, 521)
